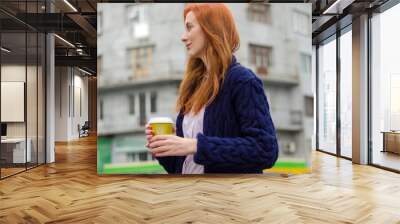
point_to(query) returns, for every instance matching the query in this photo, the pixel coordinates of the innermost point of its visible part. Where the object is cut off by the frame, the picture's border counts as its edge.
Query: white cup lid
(161, 120)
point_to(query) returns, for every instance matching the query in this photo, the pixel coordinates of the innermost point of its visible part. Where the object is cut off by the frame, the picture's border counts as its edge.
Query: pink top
(191, 126)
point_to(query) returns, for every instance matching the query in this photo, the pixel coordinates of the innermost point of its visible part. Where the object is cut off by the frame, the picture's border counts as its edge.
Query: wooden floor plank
(70, 191)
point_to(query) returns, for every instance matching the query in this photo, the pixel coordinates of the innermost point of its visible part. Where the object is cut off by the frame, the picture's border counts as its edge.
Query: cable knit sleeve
(257, 145)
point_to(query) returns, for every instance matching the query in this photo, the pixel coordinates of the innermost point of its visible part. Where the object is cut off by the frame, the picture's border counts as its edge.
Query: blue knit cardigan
(238, 133)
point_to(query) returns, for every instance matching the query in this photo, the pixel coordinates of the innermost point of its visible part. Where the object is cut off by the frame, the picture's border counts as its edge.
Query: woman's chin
(192, 54)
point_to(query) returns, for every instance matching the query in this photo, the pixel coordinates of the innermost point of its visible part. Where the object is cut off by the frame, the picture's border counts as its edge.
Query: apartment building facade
(141, 62)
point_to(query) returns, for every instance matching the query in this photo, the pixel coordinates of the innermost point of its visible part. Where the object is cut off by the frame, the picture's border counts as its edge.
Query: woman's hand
(150, 133)
(169, 145)
(172, 145)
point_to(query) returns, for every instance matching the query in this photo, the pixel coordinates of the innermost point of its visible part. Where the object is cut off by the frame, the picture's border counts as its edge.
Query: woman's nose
(184, 38)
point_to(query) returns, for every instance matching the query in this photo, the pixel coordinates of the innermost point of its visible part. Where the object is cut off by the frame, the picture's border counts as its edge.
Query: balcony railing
(269, 75)
(158, 70)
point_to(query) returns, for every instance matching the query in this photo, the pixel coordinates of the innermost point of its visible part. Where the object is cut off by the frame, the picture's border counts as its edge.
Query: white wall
(33, 126)
(14, 73)
(69, 85)
(80, 94)
(17, 73)
(61, 103)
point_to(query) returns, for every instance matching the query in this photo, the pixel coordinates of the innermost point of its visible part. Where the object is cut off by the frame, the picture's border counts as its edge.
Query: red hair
(222, 40)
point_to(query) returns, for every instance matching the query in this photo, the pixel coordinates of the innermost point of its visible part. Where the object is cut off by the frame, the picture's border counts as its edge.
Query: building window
(151, 157)
(101, 109)
(142, 109)
(137, 21)
(259, 12)
(327, 96)
(305, 67)
(261, 58)
(309, 106)
(99, 65)
(100, 22)
(141, 60)
(301, 23)
(131, 157)
(345, 82)
(131, 99)
(143, 156)
(385, 88)
(153, 102)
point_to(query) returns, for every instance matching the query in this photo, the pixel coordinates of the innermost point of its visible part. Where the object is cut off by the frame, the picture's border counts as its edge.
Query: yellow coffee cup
(162, 125)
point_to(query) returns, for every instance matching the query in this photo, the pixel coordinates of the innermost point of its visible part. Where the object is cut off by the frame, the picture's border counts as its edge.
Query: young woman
(224, 124)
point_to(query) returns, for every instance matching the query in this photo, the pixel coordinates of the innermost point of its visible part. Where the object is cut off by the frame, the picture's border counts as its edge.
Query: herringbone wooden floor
(70, 191)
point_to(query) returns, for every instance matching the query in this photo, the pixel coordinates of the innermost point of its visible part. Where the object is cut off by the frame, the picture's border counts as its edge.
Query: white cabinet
(18, 149)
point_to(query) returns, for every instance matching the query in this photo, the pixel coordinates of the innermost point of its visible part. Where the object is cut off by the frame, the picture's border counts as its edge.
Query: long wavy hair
(202, 80)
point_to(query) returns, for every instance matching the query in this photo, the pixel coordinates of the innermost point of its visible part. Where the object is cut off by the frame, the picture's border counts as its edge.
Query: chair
(84, 130)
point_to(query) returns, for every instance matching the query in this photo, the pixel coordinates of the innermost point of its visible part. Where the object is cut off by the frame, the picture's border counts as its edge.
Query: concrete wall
(116, 117)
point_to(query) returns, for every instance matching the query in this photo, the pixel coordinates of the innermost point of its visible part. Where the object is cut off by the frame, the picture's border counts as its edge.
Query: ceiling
(331, 15)
(73, 21)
